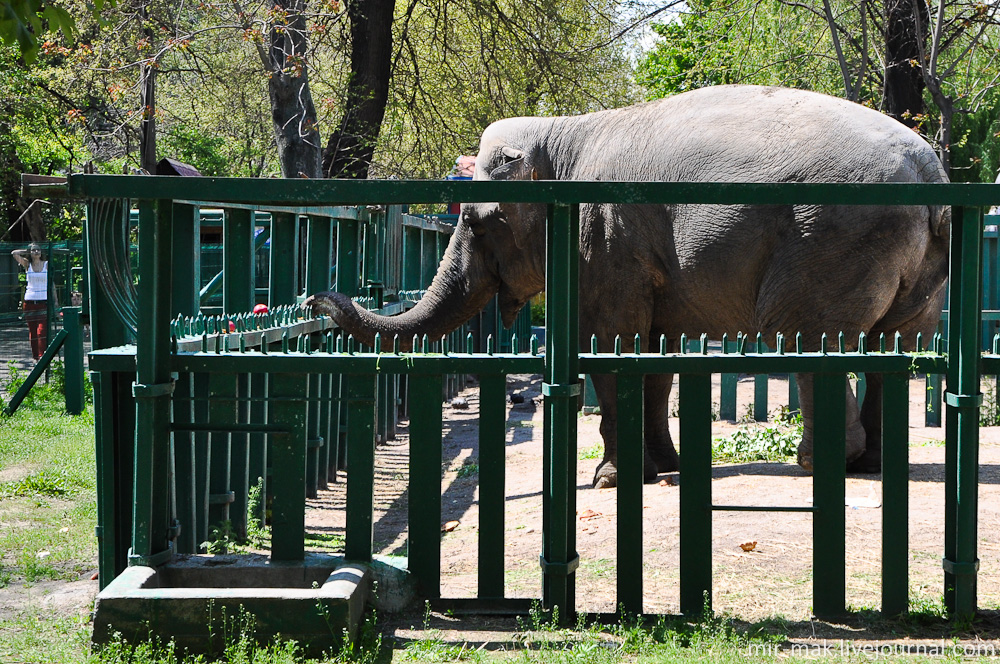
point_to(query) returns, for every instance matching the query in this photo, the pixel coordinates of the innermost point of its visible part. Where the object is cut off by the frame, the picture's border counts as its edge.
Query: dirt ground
(774, 579)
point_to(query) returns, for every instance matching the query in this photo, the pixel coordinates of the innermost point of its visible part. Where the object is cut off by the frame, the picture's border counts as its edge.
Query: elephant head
(497, 249)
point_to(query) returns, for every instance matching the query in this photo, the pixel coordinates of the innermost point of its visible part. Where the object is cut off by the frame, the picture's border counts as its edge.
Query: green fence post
(727, 396)
(829, 482)
(895, 494)
(629, 491)
(360, 467)
(492, 470)
(151, 524)
(695, 409)
(319, 248)
(561, 390)
(238, 295)
(185, 299)
(424, 549)
(962, 402)
(288, 459)
(73, 356)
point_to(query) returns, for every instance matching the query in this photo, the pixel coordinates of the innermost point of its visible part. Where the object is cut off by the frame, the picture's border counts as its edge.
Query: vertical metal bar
(727, 395)
(319, 252)
(289, 463)
(283, 270)
(895, 494)
(424, 550)
(104, 438)
(561, 390)
(152, 519)
(492, 470)
(411, 258)
(185, 288)
(259, 414)
(695, 409)
(962, 402)
(222, 391)
(238, 293)
(829, 481)
(73, 357)
(932, 412)
(629, 491)
(360, 466)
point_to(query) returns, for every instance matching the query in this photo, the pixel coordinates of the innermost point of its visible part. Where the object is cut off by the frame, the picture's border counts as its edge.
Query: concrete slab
(197, 600)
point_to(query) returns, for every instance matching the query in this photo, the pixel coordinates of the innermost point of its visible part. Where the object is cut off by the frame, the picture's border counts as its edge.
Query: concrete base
(196, 601)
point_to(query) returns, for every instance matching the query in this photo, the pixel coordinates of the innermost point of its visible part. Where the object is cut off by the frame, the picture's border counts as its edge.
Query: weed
(53, 484)
(221, 539)
(593, 452)
(468, 469)
(757, 442)
(989, 411)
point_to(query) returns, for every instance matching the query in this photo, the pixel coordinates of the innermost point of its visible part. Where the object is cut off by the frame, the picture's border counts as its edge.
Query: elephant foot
(665, 459)
(606, 476)
(868, 463)
(854, 446)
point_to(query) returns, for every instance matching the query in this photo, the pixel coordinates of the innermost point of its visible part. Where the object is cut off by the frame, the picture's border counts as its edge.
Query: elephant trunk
(462, 287)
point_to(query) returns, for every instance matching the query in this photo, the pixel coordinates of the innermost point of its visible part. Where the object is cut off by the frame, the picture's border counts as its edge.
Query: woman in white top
(35, 295)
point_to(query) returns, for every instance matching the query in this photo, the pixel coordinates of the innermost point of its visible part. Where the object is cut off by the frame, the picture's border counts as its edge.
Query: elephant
(673, 269)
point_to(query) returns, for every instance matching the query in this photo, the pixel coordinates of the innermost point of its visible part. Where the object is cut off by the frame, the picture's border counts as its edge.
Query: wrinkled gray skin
(700, 268)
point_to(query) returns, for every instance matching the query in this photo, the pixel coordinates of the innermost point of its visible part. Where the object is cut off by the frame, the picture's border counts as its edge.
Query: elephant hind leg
(606, 475)
(855, 432)
(659, 444)
(871, 417)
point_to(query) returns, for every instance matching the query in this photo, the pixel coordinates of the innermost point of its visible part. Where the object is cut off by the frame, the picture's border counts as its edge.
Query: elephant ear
(514, 166)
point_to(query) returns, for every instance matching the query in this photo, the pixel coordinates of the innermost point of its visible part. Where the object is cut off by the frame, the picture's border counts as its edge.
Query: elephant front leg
(871, 418)
(606, 475)
(855, 432)
(659, 445)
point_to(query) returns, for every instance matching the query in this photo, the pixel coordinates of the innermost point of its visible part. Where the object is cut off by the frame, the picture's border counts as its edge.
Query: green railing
(158, 353)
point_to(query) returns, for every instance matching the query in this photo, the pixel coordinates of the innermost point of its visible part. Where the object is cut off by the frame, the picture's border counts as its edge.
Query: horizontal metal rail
(349, 192)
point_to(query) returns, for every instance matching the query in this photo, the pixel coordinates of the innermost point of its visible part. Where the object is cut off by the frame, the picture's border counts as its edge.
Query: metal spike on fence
(489, 344)
(204, 342)
(841, 342)
(881, 342)
(444, 345)
(350, 344)
(863, 343)
(469, 343)
(684, 344)
(284, 342)
(741, 343)
(218, 342)
(533, 343)
(920, 342)
(822, 344)
(996, 344)
(593, 344)
(618, 344)
(725, 343)
(396, 344)
(939, 343)
(779, 343)
(243, 343)
(704, 343)
(328, 337)
(378, 342)
(638, 344)
(663, 344)
(340, 343)
(515, 346)
(759, 344)
(425, 345)
(798, 343)
(898, 344)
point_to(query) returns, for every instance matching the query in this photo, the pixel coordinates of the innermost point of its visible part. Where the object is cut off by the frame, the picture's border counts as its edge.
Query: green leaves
(24, 21)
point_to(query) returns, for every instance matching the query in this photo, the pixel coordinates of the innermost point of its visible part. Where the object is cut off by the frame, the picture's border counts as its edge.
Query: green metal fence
(144, 438)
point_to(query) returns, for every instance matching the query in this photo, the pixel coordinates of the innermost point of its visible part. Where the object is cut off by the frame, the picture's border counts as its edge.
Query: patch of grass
(54, 484)
(759, 442)
(592, 452)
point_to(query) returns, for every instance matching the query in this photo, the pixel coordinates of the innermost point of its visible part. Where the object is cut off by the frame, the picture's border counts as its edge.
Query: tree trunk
(904, 84)
(292, 111)
(350, 148)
